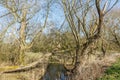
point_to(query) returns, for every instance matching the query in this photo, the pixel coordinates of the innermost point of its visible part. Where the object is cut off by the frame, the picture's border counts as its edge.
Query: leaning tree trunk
(92, 39)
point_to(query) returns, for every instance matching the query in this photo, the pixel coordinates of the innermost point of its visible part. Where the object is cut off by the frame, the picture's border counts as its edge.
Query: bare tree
(23, 12)
(86, 28)
(76, 23)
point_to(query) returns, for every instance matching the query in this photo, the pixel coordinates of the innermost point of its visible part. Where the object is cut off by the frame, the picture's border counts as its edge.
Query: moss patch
(8, 68)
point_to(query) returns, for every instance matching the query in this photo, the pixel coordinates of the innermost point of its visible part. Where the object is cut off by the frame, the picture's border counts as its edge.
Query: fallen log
(34, 65)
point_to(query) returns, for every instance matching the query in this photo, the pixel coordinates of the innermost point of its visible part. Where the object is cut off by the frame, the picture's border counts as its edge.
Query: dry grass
(34, 74)
(91, 70)
(94, 69)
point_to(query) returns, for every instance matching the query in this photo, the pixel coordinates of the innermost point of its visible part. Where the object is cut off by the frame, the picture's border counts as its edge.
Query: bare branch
(111, 7)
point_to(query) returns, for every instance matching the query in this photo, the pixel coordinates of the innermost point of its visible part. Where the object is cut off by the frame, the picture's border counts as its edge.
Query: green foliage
(53, 41)
(3, 57)
(112, 73)
(8, 53)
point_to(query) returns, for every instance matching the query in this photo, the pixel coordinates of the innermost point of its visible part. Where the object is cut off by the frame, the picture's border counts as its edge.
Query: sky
(56, 15)
(117, 5)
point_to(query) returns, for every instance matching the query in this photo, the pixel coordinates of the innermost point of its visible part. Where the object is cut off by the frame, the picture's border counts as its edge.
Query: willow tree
(23, 13)
(79, 15)
(83, 25)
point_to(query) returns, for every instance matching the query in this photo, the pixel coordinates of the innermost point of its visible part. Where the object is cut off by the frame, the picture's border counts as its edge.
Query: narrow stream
(55, 72)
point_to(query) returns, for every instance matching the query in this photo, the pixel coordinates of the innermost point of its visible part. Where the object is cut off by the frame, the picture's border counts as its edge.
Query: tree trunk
(21, 55)
(22, 37)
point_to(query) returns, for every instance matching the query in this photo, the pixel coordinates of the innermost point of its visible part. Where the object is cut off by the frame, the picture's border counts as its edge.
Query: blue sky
(118, 5)
(56, 15)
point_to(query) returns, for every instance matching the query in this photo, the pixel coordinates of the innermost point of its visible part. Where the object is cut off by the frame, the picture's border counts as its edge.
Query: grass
(30, 57)
(36, 73)
(113, 72)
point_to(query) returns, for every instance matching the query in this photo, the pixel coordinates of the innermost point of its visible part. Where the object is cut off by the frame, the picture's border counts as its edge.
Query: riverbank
(92, 70)
(31, 71)
(95, 69)
(112, 72)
